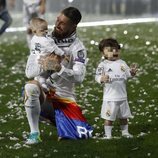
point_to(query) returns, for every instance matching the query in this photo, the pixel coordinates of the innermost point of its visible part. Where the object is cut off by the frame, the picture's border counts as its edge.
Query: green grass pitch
(140, 45)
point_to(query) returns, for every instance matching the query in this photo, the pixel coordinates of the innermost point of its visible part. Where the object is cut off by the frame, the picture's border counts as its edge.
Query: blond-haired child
(42, 45)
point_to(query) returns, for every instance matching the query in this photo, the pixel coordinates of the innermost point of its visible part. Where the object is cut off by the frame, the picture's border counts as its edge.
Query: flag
(70, 121)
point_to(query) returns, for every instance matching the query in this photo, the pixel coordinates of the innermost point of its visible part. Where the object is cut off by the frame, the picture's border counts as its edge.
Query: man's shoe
(34, 138)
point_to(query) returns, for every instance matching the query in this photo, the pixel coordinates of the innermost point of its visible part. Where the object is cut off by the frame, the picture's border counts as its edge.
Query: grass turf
(139, 46)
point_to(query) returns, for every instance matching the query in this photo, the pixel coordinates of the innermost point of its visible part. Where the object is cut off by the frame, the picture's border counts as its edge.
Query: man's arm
(76, 74)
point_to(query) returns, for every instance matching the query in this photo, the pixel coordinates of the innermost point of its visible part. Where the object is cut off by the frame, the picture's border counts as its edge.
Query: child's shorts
(115, 109)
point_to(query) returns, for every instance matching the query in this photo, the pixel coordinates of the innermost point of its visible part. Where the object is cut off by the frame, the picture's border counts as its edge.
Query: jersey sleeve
(99, 72)
(52, 47)
(77, 73)
(127, 70)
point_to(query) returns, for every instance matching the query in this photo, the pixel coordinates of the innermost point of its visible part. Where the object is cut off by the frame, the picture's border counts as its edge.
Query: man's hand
(50, 62)
(104, 79)
(66, 59)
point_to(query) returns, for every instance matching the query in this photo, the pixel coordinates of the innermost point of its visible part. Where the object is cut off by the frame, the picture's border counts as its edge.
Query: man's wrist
(61, 70)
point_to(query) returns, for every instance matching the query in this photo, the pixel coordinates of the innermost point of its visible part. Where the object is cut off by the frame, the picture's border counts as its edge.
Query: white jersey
(42, 45)
(119, 72)
(72, 72)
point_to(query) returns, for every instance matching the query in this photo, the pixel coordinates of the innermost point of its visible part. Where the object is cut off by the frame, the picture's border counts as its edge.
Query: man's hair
(73, 14)
(109, 42)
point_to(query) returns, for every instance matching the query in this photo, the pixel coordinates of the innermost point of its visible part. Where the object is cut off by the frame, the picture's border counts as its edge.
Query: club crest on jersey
(123, 68)
(108, 113)
(100, 71)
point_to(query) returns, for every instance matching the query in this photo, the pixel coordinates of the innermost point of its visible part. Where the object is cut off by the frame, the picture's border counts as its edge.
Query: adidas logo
(109, 70)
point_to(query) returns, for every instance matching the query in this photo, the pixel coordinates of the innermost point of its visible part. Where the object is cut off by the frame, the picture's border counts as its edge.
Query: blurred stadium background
(94, 10)
(139, 46)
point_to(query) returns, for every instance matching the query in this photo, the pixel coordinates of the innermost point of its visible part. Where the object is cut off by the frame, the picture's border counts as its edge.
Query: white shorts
(115, 109)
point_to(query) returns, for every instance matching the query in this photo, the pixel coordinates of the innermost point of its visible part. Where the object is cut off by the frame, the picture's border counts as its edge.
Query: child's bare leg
(124, 121)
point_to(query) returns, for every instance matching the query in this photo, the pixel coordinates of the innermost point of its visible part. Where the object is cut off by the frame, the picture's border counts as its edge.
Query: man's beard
(60, 35)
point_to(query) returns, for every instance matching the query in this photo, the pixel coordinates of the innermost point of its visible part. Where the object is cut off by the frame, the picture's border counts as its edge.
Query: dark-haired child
(113, 73)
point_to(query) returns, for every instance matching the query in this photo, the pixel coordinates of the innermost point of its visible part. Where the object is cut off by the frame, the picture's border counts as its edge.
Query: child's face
(41, 32)
(39, 29)
(110, 53)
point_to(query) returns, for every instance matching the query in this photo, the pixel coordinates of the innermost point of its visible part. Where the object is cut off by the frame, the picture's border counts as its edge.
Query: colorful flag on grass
(70, 121)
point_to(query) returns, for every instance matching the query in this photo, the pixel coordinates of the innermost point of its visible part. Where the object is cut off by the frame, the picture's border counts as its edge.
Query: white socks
(32, 106)
(124, 129)
(108, 130)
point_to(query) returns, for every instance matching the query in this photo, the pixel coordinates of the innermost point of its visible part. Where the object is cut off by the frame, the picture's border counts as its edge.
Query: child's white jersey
(118, 71)
(42, 45)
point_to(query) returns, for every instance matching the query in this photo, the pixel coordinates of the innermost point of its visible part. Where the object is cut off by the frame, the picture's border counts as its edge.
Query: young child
(41, 45)
(113, 73)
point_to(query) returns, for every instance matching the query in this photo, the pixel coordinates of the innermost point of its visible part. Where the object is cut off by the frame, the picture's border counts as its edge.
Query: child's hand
(134, 69)
(104, 79)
